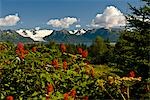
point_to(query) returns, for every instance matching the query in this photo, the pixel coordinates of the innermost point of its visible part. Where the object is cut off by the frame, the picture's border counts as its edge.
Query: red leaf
(64, 65)
(34, 49)
(84, 53)
(73, 93)
(63, 47)
(55, 63)
(66, 95)
(132, 74)
(9, 98)
(50, 88)
(80, 50)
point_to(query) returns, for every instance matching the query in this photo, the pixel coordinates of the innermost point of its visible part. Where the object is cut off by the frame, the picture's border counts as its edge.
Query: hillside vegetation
(63, 71)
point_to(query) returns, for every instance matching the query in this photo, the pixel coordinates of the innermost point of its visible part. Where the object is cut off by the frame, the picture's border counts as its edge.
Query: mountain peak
(78, 31)
(64, 31)
(71, 36)
(36, 35)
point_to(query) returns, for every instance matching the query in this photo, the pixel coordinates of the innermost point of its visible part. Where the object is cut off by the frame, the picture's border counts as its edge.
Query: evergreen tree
(133, 48)
(98, 50)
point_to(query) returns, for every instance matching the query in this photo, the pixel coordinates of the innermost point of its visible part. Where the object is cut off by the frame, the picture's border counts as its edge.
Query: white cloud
(62, 23)
(111, 17)
(9, 20)
(78, 26)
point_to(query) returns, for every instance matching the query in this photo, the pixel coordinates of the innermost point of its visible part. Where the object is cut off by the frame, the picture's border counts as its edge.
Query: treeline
(100, 52)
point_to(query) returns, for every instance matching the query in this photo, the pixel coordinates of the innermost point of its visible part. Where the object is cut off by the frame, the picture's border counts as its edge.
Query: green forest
(66, 71)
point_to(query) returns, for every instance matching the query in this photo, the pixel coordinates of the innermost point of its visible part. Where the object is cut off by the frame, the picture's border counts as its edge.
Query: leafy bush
(51, 73)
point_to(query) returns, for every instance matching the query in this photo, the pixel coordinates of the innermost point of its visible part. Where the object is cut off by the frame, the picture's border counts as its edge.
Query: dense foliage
(49, 72)
(132, 49)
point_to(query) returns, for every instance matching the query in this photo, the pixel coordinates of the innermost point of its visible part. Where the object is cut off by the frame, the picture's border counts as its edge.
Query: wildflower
(55, 63)
(21, 51)
(64, 65)
(26, 52)
(9, 98)
(85, 98)
(34, 49)
(73, 93)
(63, 48)
(20, 46)
(84, 53)
(22, 56)
(50, 88)
(17, 51)
(132, 74)
(66, 96)
(80, 50)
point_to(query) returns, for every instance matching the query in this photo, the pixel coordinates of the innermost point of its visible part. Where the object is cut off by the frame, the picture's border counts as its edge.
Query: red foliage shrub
(80, 50)
(50, 88)
(20, 46)
(21, 51)
(34, 49)
(73, 93)
(65, 65)
(66, 96)
(132, 74)
(55, 63)
(84, 53)
(9, 98)
(63, 47)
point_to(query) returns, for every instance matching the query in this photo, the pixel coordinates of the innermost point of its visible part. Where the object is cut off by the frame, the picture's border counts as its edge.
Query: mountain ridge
(81, 36)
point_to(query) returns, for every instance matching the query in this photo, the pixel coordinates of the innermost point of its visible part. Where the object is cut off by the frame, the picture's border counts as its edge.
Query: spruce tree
(132, 51)
(98, 50)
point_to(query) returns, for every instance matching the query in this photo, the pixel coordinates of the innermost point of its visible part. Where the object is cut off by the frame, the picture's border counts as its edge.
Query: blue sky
(36, 13)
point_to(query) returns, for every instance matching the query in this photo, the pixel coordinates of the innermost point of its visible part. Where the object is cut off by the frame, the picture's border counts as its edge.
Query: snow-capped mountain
(78, 31)
(81, 36)
(36, 35)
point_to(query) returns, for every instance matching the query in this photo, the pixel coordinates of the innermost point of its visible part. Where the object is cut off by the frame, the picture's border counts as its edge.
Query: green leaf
(35, 93)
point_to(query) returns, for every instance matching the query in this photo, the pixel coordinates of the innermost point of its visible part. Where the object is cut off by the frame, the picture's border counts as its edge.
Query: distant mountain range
(72, 36)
